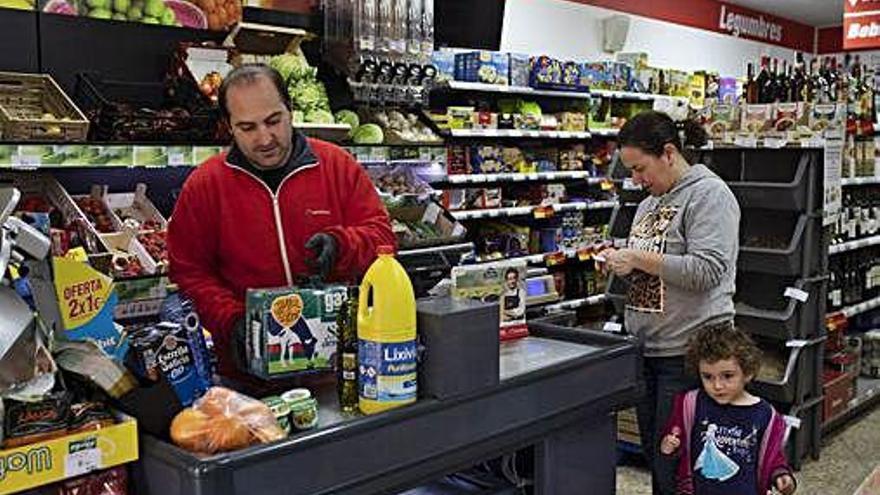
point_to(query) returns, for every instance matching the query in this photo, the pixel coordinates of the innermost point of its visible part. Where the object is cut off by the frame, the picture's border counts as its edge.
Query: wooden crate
(34, 108)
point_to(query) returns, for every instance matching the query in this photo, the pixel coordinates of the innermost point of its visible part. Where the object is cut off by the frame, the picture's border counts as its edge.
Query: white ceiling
(819, 13)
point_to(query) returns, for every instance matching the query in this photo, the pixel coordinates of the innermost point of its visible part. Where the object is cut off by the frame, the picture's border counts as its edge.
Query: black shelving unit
(781, 273)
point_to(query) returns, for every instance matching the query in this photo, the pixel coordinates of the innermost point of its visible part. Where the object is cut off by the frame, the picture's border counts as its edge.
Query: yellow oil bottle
(386, 330)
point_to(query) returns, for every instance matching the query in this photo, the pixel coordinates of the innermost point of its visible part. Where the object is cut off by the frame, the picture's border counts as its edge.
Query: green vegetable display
(368, 134)
(307, 94)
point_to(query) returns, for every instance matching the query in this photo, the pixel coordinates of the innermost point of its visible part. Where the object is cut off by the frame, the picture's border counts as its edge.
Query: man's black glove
(324, 248)
(239, 344)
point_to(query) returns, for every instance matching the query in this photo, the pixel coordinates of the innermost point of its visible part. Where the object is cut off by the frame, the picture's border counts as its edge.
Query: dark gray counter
(556, 391)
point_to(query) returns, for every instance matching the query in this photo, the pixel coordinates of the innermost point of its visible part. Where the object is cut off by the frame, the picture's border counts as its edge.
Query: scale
(540, 290)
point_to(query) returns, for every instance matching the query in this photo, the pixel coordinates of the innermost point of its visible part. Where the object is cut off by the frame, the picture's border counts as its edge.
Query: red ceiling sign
(719, 17)
(861, 24)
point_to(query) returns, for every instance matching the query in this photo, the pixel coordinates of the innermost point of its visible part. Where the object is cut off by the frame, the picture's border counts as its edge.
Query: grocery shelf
(515, 133)
(519, 211)
(860, 308)
(517, 90)
(859, 181)
(548, 258)
(434, 249)
(853, 245)
(91, 155)
(524, 177)
(629, 95)
(493, 213)
(576, 303)
(605, 132)
(867, 396)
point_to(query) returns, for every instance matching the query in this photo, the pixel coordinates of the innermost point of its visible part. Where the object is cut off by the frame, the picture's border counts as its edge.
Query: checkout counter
(556, 392)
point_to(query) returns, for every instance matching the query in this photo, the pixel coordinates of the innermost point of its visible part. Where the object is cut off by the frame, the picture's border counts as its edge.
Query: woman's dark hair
(716, 342)
(248, 74)
(650, 131)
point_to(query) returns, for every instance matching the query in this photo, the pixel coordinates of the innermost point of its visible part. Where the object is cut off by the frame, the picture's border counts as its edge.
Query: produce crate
(442, 227)
(838, 389)
(137, 206)
(143, 112)
(778, 243)
(762, 308)
(806, 438)
(767, 179)
(41, 463)
(44, 185)
(34, 108)
(798, 378)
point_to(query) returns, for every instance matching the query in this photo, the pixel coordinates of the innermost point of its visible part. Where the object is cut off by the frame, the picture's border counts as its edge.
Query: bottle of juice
(386, 336)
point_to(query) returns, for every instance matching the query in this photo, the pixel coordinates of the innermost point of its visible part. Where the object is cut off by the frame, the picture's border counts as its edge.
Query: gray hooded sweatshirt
(696, 227)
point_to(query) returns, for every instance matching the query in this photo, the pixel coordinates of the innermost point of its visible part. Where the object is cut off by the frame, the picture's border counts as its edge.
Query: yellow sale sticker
(82, 291)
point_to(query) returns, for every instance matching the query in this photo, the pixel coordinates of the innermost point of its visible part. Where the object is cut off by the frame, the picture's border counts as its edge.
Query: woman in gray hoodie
(680, 264)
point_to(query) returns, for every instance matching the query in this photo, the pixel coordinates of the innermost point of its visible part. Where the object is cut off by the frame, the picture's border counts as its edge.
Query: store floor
(848, 457)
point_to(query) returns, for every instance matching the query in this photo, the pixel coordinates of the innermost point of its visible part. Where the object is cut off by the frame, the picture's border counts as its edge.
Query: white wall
(569, 30)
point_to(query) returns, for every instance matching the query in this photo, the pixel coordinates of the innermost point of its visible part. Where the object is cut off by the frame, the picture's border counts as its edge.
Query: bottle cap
(385, 250)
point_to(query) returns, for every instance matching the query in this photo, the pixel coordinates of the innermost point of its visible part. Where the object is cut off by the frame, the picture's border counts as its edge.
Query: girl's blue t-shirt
(725, 444)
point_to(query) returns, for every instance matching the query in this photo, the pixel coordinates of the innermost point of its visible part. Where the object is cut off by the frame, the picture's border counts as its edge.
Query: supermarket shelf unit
(781, 279)
(866, 390)
(447, 93)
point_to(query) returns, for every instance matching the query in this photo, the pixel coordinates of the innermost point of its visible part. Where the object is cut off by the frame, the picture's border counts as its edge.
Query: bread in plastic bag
(224, 420)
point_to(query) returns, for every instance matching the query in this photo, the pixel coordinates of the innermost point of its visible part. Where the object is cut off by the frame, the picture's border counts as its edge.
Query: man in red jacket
(277, 207)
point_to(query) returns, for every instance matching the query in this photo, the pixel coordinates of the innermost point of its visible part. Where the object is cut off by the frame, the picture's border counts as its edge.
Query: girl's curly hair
(715, 342)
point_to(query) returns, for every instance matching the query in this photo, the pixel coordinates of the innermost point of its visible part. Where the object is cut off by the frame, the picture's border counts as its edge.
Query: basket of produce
(421, 224)
(143, 112)
(33, 107)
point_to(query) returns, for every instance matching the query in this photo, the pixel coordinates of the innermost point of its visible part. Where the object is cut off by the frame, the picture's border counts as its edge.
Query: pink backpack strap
(689, 410)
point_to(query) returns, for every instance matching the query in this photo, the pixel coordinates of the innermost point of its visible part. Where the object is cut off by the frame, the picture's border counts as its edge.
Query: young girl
(729, 442)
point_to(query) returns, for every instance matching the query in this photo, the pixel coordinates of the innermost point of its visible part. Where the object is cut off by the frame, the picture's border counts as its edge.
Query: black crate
(807, 438)
(763, 309)
(142, 112)
(799, 379)
(779, 242)
(769, 179)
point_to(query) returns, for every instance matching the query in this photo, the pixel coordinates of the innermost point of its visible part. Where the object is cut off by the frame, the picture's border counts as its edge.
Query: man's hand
(324, 248)
(671, 442)
(784, 484)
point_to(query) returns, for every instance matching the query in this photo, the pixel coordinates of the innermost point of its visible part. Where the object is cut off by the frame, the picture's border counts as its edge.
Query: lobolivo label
(387, 370)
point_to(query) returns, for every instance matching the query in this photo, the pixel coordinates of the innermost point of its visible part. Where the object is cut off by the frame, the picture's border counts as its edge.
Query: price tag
(797, 294)
(613, 327)
(585, 254)
(796, 344)
(792, 421)
(26, 161)
(746, 141)
(775, 143)
(176, 159)
(629, 185)
(543, 212)
(84, 457)
(554, 259)
(814, 142)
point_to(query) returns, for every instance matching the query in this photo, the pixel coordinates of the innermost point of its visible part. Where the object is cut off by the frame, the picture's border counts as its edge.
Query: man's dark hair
(248, 74)
(512, 270)
(650, 131)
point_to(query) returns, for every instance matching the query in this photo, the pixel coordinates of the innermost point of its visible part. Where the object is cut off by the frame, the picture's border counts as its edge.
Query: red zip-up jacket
(229, 233)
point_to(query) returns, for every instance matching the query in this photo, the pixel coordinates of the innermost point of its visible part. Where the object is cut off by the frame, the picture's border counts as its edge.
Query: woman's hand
(601, 259)
(623, 261)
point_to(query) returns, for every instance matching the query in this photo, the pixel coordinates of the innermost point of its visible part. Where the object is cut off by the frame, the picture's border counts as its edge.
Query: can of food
(305, 414)
(296, 395)
(281, 410)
